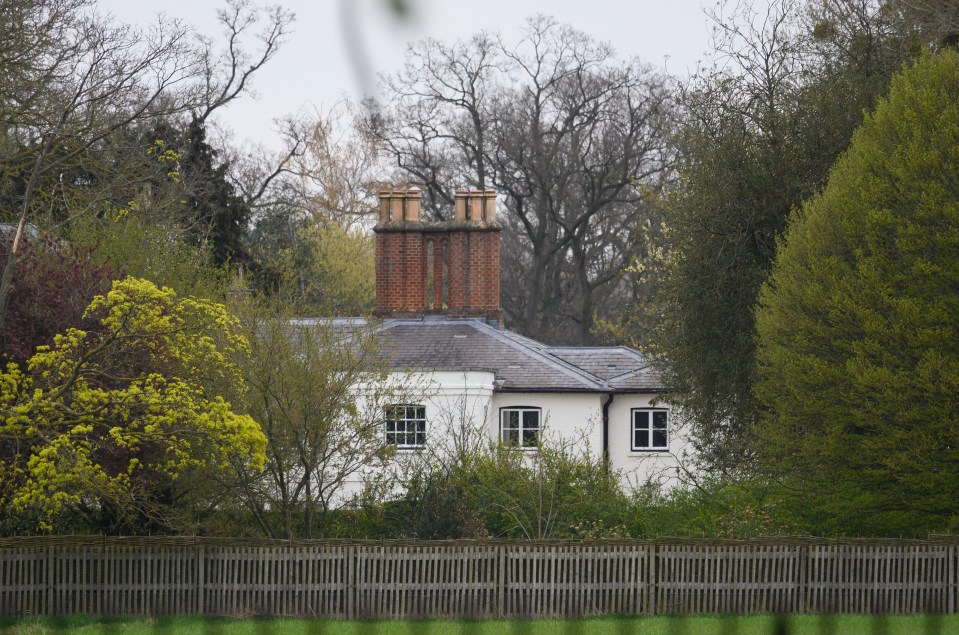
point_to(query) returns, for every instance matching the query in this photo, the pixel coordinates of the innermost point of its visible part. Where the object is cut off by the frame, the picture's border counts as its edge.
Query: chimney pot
(459, 205)
(490, 205)
(476, 205)
(396, 205)
(384, 196)
(413, 203)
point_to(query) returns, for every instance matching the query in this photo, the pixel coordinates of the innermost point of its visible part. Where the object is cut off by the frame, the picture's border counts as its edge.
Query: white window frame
(650, 428)
(402, 426)
(521, 426)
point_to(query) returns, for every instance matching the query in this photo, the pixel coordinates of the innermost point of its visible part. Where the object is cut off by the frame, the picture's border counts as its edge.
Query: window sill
(649, 451)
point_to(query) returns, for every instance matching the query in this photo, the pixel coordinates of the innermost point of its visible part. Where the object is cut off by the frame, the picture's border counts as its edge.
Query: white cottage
(437, 290)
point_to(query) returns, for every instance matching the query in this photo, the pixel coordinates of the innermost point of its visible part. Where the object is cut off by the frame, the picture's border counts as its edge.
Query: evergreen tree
(858, 326)
(214, 214)
(759, 136)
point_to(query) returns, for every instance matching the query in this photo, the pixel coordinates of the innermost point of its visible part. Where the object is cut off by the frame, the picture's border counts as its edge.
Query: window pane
(659, 429)
(510, 436)
(642, 438)
(659, 419)
(529, 437)
(531, 419)
(641, 419)
(511, 418)
(659, 438)
(640, 429)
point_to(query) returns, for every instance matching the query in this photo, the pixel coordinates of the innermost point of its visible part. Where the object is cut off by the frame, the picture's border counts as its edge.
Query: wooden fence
(188, 576)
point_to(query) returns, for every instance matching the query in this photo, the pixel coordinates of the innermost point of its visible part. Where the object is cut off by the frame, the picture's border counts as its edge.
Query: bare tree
(324, 199)
(73, 81)
(574, 141)
(318, 392)
(340, 170)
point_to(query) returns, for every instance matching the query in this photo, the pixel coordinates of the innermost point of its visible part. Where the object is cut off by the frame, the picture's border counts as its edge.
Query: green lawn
(698, 625)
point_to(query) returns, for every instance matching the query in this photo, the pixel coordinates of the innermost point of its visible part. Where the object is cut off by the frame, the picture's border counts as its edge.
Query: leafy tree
(309, 226)
(51, 289)
(214, 213)
(339, 173)
(143, 246)
(122, 423)
(74, 85)
(318, 391)
(858, 326)
(759, 133)
(341, 270)
(70, 81)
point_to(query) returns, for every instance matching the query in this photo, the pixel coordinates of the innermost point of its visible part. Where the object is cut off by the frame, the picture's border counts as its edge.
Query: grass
(694, 625)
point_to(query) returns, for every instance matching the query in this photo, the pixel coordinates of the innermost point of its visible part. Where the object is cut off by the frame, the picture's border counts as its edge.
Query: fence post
(951, 576)
(51, 582)
(350, 583)
(200, 580)
(651, 579)
(501, 580)
(801, 604)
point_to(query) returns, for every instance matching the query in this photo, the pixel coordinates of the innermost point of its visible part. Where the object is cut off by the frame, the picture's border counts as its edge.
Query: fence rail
(190, 576)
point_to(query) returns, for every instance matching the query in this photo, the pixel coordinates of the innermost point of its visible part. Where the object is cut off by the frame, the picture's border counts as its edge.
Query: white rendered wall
(576, 417)
(642, 467)
(457, 407)
(462, 407)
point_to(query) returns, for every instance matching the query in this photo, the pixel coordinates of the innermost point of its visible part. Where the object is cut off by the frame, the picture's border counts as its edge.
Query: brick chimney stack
(449, 268)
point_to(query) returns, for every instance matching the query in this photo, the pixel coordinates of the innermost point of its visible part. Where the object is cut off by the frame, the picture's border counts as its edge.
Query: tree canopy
(759, 132)
(574, 141)
(78, 87)
(119, 422)
(858, 326)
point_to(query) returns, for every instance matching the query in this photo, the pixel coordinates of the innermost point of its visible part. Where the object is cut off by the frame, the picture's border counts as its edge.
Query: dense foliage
(54, 284)
(759, 133)
(859, 322)
(120, 422)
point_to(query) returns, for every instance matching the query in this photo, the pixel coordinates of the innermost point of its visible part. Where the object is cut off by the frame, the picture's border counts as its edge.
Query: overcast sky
(314, 68)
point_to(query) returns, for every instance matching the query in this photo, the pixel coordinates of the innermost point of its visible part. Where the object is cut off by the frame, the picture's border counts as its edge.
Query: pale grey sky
(313, 68)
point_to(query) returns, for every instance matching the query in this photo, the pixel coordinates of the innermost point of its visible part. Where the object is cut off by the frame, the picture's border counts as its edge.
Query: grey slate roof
(619, 366)
(518, 363)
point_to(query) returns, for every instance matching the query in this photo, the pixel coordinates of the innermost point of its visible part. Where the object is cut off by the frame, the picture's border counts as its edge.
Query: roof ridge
(593, 348)
(634, 372)
(520, 337)
(559, 364)
(628, 350)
